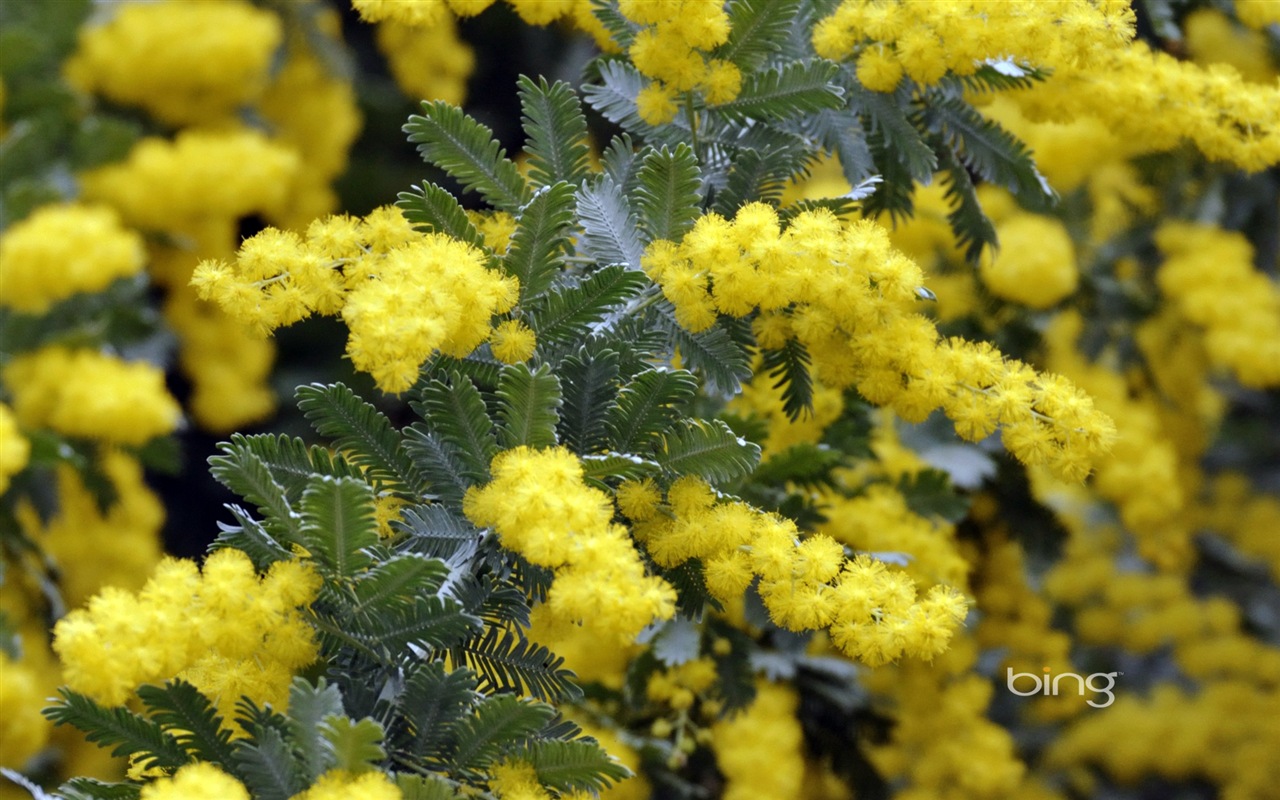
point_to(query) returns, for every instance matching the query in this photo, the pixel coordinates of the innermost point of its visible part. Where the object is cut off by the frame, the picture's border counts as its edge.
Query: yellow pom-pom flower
(1036, 264)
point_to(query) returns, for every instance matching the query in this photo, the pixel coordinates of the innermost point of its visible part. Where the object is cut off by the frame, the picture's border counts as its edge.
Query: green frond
(498, 724)
(1000, 75)
(308, 706)
(244, 473)
(429, 622)
(895, 195)
(480, 366)
(574, 766)
(250, 537)
(468, 153)
(986, 148)
(354, 746)
(621, 29)
(707, 448)
(930, 494)
(92, 789)
(557, 131)
(647, 405)
(435, 210)
(789, 367)
(668, 192)
(757, 29)
(292, 461)
(425, 787)
(338, 524)
(540, 238)
(973, 230)
(434, 531)
(567, 313)
(615, 96)
(893, 135)
(619, 162)
(839, 206)
(455, 413)
(362, 433)
(507, 662)
(528, 406)
(693, 597)
(754, 175)
(397, 580)
(719, 354)
(268, 767)
(589, 384)
(792, 90)
(119, 728)
(807, 465)
(181, 709)
(433, 701)
(610, 233)
(445, 467)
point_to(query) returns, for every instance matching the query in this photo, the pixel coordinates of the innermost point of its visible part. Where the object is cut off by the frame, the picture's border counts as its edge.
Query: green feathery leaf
(425, 787)
(507, 662)
(610, 233)
(244, 473)
(250, 537)
(589, 382)
(757, 29)
(498, 724)
(181, 709)
(789, 367)
(575, 766)
(718, 355)
(92, 789)
(619, 162)
(795, 89)
(455, 412)
(447, 468)
(269, 767)
(468, 153)
(435, 531)
(355, 746)
(597, 468)
(668, 192)
(972, 228)
(397, 580)
(308, 707)
(646, 406)
(892, 133)
(707, 448)
(128, 732)
(615, 96)
(528, 406)
(540, 238)
(339, 524)
(436, 210)
(433, 701)
(557, 131)
(293, 462)
(362, 433)
(567, 313)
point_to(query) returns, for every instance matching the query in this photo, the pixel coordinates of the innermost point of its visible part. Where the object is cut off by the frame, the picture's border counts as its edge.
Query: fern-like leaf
(339, 524)
(269, 767)
(80, 788)
(568, 313)
(589, 385)
(756, 30)
(789, 367)
(430, 622)
(557, 131)
(609, 229)
(615, 96)
(123, 730)
(447, 469)
(528, 406)
(597, 468)
(433, 701)
(436, 210)
(792, 90)
(539, 240)
(435, 532)
(467, 151)
(498, 724)
(647, 406)
(250, 537)
(972, 228)
(894, 133)
(361, 432)
(455, 412)
(308, 707)
(506, 662)
(181, 709)
(719, 356)
(707, 448)
(668, 192)
(355, 746)
(243, 472)
(397, 580)
(573, 766)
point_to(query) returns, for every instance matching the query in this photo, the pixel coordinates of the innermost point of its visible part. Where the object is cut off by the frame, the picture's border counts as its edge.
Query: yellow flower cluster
(23, 729)
(1212, 38)
(429, 63)
(224, 174)
(513, 342)
(1257, 14)
(197, 781)
(871, 610)
(760, 752)
(1247, 520)
(95, 547)
(228, 632)
(1036, 262)
(540, 507)
(428, 13)
(403, 294)
(15, 450)
(189, 62)
(927, 40)
(848, 297)
(63, 250)
(671, 49)
(1208, 274)
(91, 394)
(342, 785)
